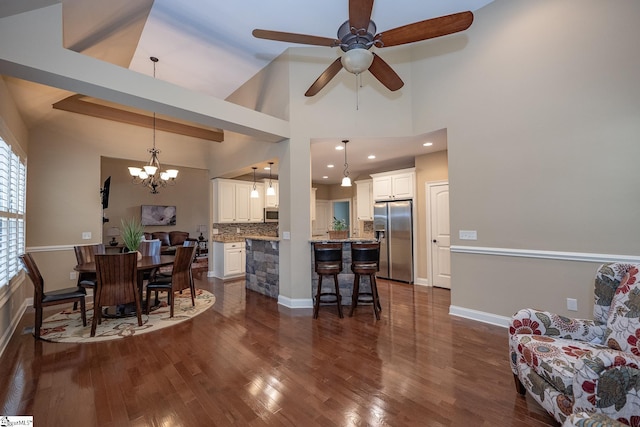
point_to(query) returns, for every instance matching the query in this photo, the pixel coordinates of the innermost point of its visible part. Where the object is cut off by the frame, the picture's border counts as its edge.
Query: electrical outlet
(286, 235)
(73, 275)
(215, 231)
(468, 234)
(572, 304)
(238, 230)
(86, 235)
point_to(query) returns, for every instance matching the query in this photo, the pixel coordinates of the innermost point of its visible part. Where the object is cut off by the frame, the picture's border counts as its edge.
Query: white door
(440, 235)
(321, 223)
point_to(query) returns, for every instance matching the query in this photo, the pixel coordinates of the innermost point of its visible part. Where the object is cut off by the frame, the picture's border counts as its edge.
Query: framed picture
(158, 215)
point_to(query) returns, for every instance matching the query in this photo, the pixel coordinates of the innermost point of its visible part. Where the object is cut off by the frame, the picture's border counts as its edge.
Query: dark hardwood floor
(248, 361)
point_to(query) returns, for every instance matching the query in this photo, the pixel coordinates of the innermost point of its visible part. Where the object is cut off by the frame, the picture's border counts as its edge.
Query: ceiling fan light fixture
(357, 60)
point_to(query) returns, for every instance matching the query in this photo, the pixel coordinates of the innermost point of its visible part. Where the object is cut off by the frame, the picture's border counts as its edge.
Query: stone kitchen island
(263, 265)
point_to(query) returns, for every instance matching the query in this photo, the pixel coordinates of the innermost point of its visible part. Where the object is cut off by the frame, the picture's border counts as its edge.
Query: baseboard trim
(420, 281)
(295, 302)
(8, 333)
(479, 316)
(555, 255)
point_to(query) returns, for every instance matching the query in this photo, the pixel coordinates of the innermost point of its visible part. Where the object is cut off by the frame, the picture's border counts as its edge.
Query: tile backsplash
(247, 229)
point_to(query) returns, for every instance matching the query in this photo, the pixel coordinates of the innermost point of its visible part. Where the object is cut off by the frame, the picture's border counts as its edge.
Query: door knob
(435, 241)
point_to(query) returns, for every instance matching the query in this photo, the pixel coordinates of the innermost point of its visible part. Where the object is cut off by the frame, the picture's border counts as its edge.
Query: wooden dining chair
(85, 254)
(150, 247)
(165, 272)
(117, 284)
(181, 278)
(42, 299)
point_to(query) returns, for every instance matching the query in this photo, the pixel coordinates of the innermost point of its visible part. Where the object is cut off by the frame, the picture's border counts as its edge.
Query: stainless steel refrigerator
(393, 228)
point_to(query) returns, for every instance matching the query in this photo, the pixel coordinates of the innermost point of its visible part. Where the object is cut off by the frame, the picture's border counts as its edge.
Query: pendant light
(254, 192)
(346, 181)
(270, 191)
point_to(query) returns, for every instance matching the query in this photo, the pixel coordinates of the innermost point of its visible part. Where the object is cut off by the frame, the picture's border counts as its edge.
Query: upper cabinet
(394, 185)
(232, 201)
(271, 201)
(364, 199)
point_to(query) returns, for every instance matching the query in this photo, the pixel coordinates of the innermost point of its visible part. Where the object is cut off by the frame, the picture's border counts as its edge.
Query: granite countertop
(241, 237)
(315, 239)
(267, 238)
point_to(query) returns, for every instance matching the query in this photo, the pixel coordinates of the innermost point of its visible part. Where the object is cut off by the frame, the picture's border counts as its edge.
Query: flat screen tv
(104, 192)
(158, 215)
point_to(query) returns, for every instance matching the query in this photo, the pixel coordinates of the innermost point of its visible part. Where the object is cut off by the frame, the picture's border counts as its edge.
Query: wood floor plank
(249, 362)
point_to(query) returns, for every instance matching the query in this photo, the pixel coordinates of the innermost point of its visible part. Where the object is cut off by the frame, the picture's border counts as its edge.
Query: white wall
(541, 102)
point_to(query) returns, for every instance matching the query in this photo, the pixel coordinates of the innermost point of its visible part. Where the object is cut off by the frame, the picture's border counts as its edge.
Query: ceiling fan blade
(427, 29)
(383, 72)
(295, 38)
(360, 13)
(324, 78)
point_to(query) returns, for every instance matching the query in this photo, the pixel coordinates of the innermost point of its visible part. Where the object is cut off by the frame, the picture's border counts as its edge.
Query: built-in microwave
(270, 214)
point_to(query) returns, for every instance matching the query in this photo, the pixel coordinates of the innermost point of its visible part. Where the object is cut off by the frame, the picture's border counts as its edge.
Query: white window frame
(13, 185)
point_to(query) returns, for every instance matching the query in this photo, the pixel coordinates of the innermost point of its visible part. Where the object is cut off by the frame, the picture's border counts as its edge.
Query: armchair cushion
(567, 365)
(177, 238)
(623, 323)
(163, 236)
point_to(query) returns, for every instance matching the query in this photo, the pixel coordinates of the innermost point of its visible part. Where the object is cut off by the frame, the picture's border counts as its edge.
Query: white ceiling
(207, 46)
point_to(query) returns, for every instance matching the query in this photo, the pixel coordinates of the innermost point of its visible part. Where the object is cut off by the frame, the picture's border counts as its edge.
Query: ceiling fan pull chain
(357, 92)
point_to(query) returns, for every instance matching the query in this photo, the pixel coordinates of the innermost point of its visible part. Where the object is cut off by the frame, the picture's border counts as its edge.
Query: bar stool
(365, 259)
(328, 262)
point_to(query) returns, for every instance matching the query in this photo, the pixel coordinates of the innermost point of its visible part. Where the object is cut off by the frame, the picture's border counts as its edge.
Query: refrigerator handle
(380, 235)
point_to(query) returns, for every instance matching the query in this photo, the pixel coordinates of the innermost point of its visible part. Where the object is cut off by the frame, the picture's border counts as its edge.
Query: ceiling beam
(83, 105)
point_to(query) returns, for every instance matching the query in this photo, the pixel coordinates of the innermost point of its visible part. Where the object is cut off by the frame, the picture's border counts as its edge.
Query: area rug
(66, 326)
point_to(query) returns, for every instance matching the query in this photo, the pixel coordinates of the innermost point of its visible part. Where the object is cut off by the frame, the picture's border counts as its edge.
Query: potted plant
(340, 229)
(132, 233)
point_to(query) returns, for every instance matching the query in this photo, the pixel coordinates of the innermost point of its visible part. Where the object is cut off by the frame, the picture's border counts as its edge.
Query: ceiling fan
(358, 35)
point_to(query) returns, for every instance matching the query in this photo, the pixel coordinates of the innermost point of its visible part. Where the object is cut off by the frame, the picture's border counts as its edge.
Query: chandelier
(149, 175)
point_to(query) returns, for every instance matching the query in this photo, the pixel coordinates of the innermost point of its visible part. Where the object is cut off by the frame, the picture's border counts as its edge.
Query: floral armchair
(578, 365)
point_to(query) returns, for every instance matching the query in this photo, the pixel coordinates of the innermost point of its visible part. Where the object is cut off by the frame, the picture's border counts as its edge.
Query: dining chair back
(181, 278)
(42, 299)
(85, 254)
(117, 284)
(150, 247)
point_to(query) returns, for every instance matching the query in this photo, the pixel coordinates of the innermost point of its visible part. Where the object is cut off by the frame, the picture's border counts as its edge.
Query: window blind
(12, 212)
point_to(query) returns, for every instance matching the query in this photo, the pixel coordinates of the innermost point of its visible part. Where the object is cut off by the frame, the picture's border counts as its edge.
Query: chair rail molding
(555, 255)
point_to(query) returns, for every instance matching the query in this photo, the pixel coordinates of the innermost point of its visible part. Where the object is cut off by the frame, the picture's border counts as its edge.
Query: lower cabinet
(229, 259)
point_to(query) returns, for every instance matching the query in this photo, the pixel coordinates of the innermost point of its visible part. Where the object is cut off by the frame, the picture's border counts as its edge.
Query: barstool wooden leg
(374, 294)
(355, 294)
(316, 305)
(338, 295)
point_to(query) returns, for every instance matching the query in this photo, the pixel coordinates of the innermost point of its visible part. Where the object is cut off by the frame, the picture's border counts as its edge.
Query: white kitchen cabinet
(232, 202)
(271, 201)
(394, 185)
(256, 206)
(364, 200)
(313, 203)
(229, 259)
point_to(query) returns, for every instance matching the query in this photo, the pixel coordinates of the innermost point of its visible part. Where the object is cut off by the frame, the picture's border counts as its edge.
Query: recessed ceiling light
(339, 147)
(371, 157)
(329, 166)
(267, 168)
(325, 177)
(428, 144)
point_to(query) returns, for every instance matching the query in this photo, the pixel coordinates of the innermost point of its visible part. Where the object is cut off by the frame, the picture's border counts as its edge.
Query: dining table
(145, 263)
